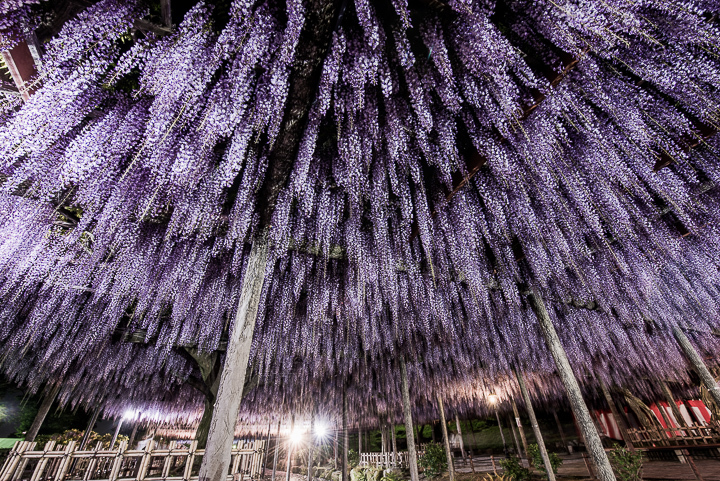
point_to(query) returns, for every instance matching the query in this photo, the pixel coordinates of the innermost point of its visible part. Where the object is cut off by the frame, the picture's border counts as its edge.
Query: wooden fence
(694, 435)
(172, 463)
(386, 459)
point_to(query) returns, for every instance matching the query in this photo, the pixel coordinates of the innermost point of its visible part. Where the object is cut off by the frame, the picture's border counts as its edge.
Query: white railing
(386, 459)
(173, 463)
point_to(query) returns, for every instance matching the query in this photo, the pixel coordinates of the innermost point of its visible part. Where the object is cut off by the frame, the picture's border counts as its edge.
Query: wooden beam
(521, 430)
(620, 420)
(21, 64)
(166, 13)
(409, 429)
(232, 381)
(536, 429)
(582, 414)
(446, 439)
(47, 402)
(697, 363)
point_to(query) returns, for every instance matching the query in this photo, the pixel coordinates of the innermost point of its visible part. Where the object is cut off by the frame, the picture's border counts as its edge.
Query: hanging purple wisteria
(451, 161)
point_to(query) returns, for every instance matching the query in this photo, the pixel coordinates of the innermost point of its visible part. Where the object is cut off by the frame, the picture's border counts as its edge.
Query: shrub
(353, 458)
(627, 465)
(514, 470)
(391, 475)
(433, 460)
(537, 461)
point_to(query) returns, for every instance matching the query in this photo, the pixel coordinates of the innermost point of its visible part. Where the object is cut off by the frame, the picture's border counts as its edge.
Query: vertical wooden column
(409, 430)
(216, 460)
(276, 454)
(521, 430)
(446, 439)
(462, 443)
(117, 431)
(582, 414)
(394, 444)
(90, 426)
(502, 434)
(21, 64)
(707, 378)
(47, 402)
(536, 429)
(346, 439)
(360, 450)
(619, 419)
(515, 437)
(673, 405)
(290, 446)
(561, 431)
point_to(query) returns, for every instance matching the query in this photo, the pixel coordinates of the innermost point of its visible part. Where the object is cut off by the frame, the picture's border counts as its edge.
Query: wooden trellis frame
(172, 463)
(676, 437)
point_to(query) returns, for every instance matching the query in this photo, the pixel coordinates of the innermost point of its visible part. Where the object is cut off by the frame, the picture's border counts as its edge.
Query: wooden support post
(346, 439)
(383, 437)
(277, 452)
(394, 444)
(462, 443)
(20, 62)
(311, 445)
(409, 432)
(42, 413)
(521, 430)
(616, 414)
(359, 440)
(502, 434)
(216, 460)
(166, 13)
(117, 432)
(515, 436)
(90, 426)
(673, 405)
(696, 361)
(267, 448)
(133, 433)
(561, 431)
(446, 439)
(288, 464)
(691, 462)
(582, 414)
(536, 428)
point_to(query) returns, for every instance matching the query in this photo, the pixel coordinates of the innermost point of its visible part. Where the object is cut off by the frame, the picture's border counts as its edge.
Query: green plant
(627, 464)
(537, 461)
(353, 458)
(433, 460)
(391, 475)
(514, 470)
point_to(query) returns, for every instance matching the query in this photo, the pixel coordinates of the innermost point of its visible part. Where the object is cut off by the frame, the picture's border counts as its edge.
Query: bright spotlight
(493, 398)
(320, 430)
(129, 414)
(296, 437)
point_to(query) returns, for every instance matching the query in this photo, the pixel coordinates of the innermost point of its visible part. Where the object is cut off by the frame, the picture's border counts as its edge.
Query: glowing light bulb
(493, 398)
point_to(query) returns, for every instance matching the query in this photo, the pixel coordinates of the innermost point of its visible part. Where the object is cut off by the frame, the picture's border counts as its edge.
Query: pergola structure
(376, 211)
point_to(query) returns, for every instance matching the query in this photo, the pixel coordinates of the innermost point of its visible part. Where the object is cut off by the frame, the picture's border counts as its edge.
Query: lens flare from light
(296, 437)
(493, 398)
(129, 414)
(321, 431)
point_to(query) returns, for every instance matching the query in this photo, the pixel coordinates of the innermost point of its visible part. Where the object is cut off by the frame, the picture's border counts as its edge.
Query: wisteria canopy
(444, 160)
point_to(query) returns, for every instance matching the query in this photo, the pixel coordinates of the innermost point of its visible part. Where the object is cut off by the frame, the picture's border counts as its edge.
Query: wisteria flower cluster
(451, 161)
